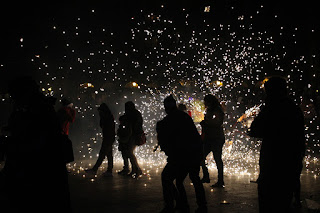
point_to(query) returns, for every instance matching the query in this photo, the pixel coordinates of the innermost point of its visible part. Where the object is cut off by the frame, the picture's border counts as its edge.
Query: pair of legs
(106, 150)
(274, 196)
(216, 149)
(174, 171)
(297, 184)
(128, 153)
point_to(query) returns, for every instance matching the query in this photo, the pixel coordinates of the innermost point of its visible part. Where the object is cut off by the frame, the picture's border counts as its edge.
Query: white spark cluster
(161, 58)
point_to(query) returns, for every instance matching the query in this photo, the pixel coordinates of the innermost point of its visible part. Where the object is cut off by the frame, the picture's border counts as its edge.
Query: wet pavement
(125, 194)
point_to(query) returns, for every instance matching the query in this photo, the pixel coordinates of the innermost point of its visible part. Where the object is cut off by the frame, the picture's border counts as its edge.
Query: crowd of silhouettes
(38, 144)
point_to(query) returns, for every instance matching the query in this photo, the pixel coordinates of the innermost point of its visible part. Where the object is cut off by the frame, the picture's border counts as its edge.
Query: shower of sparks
(161, 58)
(249, 115)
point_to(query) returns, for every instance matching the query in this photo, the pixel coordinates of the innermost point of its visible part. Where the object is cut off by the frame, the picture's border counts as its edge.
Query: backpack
(141, 139)
(124, 131)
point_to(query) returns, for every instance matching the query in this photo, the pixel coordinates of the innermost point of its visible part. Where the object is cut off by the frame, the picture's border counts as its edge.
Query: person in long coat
(280, 124)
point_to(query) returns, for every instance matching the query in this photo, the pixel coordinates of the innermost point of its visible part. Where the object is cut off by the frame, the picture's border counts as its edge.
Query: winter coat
(108, 127)
(280, 124)
(124, 133)
(212, 128)
(178, 138)
(135, 119)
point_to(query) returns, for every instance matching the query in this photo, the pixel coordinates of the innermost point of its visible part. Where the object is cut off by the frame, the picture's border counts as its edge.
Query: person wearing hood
(108, 134)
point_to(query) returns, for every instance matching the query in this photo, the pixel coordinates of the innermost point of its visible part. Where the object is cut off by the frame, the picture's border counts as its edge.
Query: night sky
(33, 22)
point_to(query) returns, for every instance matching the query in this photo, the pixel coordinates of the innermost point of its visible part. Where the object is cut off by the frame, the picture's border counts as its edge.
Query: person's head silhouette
(129, 107)
(22, 89)
(210, 101)
(169, 104)
(276, 88)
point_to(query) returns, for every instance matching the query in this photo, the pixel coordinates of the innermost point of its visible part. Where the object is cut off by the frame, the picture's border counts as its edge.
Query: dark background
(31, 21)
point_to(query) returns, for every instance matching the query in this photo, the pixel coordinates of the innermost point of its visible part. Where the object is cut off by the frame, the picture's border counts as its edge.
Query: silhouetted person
(66, 115)
(134, 121)
(181, 142)
(35, 170)
(108, 136)
(213, 137)
(280, 124)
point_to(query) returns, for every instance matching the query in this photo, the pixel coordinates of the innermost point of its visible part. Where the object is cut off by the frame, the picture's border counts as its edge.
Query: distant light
(263, 82)
(207, 9)
(219, 83)
(134, 84)
(87, 85)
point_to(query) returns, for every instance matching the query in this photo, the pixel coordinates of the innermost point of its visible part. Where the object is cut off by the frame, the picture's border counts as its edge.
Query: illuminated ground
(125, 194)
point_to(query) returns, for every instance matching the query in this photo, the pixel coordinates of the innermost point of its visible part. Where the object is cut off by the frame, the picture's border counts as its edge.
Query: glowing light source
(87, 85)
(219, 83)
(207, 9)
(263, 82)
